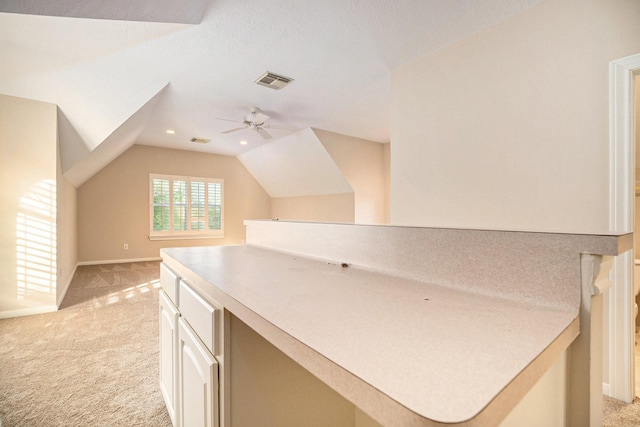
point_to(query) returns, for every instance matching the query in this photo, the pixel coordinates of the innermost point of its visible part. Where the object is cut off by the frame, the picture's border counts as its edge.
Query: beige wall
(324, 208)
(113, 206)
(28, 158)
(362, 163)
(270, 389)
(67, 236)
(509, 127)
(387, 182)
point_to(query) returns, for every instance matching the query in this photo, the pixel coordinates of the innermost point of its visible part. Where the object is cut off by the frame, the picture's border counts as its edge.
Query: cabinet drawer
(202, 316)
(169, 282)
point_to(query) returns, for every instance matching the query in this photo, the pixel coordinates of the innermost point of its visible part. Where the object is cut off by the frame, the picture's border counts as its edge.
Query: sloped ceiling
(102, 61)
(86, 163)
(295, 165)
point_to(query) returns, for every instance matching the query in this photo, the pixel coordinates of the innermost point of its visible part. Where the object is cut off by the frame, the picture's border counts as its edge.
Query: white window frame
(184, 234)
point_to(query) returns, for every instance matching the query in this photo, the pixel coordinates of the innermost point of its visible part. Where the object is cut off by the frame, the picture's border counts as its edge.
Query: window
(185, 207)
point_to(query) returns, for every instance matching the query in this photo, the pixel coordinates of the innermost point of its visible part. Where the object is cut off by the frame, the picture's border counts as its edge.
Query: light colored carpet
(620, 414)
(92, 363)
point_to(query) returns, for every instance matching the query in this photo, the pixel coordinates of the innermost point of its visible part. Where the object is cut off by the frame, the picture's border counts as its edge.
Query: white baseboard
(28, 311)
(119, 261)
(41, 309)
(66, 287)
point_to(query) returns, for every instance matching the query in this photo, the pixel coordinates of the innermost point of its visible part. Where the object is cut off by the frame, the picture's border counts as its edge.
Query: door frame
(620, 322)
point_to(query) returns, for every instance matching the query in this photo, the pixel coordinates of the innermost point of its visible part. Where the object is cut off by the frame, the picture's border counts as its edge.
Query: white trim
(119, 261)
(620, 322)
(185, 237)
(42, 309)
(28, 311)
(66, 288)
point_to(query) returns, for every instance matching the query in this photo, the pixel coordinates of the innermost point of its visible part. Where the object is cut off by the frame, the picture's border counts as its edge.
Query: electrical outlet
(126, 246)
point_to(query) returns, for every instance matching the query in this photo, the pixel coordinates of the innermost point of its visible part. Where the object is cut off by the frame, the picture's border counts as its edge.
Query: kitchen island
(413, 326)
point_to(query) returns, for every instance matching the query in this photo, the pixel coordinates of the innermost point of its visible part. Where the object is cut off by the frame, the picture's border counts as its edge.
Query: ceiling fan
(255, 120)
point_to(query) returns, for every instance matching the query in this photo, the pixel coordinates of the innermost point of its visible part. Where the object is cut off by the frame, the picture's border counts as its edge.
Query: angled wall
(296, 165)
(80, 163)
(316, 175)
(302, 179)
(363, 165)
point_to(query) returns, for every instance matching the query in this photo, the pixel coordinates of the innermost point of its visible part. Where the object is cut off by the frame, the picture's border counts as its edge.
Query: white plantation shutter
(198, 214)
(180, 206)
(214, 205)
(160, 197)
(185, 207)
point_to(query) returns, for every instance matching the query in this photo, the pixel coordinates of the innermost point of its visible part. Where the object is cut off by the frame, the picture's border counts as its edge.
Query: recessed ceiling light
(170, 131)
(243, 142)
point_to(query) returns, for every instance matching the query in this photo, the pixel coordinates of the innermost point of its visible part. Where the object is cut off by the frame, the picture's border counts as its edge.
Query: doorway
(636, 233)
(619, 319)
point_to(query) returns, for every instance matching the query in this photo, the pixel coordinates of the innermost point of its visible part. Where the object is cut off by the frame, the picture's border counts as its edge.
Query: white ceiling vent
(273, 81)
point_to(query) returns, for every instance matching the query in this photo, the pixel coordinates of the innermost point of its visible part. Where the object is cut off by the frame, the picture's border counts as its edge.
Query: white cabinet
(190, 336)
(197, 380)
(169, 281)
(202, 316)
(169, 355)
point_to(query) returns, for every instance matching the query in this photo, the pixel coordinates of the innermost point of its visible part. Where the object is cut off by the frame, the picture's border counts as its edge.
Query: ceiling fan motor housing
(256, 121)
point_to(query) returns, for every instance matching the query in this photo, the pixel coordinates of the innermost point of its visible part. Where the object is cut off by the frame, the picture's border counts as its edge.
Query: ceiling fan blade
(228, 120)
(233, 130)
(263, 133)
(279, 127)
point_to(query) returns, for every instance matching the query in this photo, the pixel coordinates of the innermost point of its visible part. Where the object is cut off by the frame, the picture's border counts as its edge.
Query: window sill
(187, 237)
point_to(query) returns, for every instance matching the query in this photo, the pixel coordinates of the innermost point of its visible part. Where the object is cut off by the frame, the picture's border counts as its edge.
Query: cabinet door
(197, 380)
(169, 355)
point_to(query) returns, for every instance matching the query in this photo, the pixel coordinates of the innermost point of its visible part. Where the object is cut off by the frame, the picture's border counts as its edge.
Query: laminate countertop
(428, 354)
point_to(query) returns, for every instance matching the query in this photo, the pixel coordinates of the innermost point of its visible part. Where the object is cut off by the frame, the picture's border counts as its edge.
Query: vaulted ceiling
(124, 72)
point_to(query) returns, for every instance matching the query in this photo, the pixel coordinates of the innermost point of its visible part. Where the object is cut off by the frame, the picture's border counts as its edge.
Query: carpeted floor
(620, 414)
(92, 363)
(95, 361)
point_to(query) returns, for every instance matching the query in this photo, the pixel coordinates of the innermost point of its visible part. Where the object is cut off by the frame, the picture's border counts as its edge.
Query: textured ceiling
(103, 62)
(183, 11)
